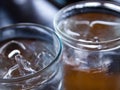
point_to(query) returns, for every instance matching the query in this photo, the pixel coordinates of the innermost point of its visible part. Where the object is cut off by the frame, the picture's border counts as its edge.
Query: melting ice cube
(24, 65)
(15, 61)
(20, 57)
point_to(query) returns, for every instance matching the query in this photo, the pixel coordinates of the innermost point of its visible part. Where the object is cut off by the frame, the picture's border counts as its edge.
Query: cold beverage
(91, 67)
(27, 61)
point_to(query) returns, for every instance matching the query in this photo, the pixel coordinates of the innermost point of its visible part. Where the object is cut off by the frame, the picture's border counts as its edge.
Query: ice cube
(9, 73)
(11, 45)
(13, 60)
(43, 59)
(24, 65)
(21, 57)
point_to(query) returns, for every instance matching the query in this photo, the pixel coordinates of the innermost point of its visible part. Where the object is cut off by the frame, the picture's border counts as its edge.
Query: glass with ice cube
(30, 58)
(90, 31)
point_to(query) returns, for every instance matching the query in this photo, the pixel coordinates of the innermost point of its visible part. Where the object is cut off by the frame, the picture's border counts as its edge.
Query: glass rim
(82, 4)
(56, 58)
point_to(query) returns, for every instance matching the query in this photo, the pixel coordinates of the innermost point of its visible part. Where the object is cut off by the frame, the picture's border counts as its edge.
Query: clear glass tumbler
(90, 31)
(30, 58)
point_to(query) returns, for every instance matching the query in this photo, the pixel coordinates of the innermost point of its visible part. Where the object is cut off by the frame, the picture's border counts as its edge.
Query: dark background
(31, 11)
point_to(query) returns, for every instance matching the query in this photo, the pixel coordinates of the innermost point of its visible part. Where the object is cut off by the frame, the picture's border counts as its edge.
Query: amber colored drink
(90, 80)
(83, 70)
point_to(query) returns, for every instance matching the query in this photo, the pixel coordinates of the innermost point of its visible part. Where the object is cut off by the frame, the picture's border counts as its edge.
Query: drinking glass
(30, 58)
(90, 31)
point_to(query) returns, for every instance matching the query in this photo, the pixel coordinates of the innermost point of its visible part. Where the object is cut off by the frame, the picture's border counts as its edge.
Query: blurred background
(32, 11)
